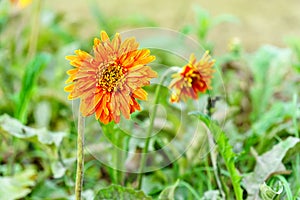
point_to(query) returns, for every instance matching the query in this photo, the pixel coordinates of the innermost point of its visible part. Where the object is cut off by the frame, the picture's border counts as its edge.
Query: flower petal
(104, 36)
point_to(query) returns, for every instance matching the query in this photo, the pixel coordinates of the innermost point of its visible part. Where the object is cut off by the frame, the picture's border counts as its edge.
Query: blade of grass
(33, 70)
(190, 188)
(286, 187)
(208, 173)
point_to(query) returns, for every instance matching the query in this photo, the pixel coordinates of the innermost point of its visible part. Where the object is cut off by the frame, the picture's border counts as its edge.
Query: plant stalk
(148, 134)
(145, 149)
(80, 157)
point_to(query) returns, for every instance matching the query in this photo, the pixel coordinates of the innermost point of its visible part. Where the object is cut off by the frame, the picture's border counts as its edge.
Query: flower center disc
(110, 77)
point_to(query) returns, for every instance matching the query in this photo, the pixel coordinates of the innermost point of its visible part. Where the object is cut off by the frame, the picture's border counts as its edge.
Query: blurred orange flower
(21, 3)
(195, 77)
(110, 82)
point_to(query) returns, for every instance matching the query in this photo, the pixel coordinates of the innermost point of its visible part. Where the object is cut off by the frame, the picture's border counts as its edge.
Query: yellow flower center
(110, 77)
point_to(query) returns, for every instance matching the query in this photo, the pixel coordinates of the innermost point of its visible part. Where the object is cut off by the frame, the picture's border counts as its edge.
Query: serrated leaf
(267, 164)
(117, 192)
(12, 126)
(169, 192)
(17, 186)
(225, 150)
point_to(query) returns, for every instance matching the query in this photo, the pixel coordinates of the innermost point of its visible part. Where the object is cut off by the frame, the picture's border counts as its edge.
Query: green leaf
(117, 192)
(33, 70)
(268, 164)
(277, 114)
(169, 192)
(49, 190)
(17, 186)
(11, 126)
(267, 193)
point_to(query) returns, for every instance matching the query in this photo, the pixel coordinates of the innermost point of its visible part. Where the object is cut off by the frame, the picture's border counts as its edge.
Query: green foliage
(116, 192)
(51, 141)
(266, 65)
(17, 186)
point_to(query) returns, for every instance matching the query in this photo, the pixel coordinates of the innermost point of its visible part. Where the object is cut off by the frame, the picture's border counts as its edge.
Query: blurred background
(257, 22)
(256, 45)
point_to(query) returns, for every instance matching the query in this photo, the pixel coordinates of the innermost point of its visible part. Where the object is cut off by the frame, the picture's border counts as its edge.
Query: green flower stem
(80, 157)
(152, 118)
(145, 150)
(118, 159)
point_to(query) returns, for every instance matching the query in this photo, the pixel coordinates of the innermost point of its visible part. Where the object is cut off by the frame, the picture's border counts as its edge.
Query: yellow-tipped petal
(72, 57)
(104, 36)
(69, 88)
(140, 94)
(96, 41)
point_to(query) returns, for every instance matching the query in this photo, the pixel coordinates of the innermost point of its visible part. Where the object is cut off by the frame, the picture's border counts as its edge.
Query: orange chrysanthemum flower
(110, 82)
(195, 77)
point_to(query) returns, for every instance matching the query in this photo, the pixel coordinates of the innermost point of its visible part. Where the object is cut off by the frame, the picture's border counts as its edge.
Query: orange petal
(86, 106)
(124, 105)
